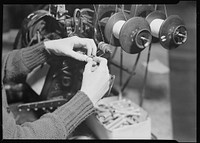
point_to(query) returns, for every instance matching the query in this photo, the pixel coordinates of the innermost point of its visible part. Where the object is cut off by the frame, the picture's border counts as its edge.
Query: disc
(131, 33)
(109, 26)
(167, 29)
(155, 15)
(141, 10)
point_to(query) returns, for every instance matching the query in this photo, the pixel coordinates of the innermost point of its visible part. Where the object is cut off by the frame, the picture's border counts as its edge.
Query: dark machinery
(131, 27)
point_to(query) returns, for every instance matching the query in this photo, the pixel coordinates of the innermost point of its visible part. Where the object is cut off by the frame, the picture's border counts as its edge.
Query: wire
(98, 21)
(165, 8)
(132, 73)
(145, 78)
(135, 9)
(156, 7)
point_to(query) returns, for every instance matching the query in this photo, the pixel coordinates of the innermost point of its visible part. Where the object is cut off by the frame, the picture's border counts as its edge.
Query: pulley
(132, 34)
(170, 31)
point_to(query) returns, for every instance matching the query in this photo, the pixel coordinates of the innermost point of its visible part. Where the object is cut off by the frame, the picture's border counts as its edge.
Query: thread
(155, 27)
(117, 27)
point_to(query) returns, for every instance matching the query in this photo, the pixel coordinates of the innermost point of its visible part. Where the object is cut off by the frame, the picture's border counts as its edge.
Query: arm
(53, 125)
(56, 125)
(18, 63)
(60, 123)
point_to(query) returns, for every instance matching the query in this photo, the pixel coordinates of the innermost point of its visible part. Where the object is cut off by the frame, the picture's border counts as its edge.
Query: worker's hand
(66, 47)
(95, 81)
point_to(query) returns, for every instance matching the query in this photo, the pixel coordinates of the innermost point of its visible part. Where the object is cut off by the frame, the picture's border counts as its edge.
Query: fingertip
(88, 59)
(100, 60)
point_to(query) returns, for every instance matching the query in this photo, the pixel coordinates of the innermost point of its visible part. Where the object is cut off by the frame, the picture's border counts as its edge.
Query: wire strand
(145, 77)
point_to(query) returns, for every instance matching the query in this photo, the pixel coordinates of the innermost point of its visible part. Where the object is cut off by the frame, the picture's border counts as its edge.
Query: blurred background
(170, 93)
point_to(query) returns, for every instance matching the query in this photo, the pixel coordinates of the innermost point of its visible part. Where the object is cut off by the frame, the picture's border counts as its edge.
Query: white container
(141, 130)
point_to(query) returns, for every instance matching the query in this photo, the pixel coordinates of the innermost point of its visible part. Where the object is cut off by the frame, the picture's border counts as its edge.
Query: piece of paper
(37, 77)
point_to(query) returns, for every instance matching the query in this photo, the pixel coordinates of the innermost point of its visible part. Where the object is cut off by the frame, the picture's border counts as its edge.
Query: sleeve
(18, 63)
(56, 125)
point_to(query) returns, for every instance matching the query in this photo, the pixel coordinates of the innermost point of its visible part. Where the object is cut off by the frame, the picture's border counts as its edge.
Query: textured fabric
(18, 63)
(56, 125)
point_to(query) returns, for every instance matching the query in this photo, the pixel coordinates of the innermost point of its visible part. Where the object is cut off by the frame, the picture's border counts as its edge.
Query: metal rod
(182, 35)
(125, 69)
(132, 73)
(121, 72)
(145, 78)
(121, 66)
(115, 50)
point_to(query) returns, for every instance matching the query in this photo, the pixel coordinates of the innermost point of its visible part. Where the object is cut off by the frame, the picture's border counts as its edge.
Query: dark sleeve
(18, 63)
(56, 125)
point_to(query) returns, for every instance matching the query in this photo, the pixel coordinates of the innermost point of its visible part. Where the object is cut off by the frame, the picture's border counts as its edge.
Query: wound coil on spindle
(170, 31)
(132, 34)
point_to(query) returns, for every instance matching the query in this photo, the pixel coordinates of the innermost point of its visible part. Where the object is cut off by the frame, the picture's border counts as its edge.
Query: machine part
(108, 31)
(145, 78)
(131, 74)
(175, 32)
(170, 31)
(135, 35)
(141, 10)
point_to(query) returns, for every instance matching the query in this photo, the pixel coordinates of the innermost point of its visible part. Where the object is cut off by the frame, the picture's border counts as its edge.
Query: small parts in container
(117, 114)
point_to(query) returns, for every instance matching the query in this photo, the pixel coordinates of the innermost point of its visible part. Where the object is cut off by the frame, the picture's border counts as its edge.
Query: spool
(108, 31)
(171, 32)
(135, 35)
(132, 35)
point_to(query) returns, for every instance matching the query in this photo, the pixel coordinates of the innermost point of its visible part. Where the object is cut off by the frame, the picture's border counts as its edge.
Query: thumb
(88, 66)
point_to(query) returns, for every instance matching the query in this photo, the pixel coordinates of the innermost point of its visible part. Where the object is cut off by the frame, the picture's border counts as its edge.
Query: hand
(66, 46)
(95, 81)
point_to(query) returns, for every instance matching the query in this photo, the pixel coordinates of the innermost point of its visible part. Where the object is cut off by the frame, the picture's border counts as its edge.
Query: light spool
(132, 34)
(170, 31)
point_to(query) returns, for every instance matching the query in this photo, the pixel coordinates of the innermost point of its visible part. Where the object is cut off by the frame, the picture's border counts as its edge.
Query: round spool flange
(155, 15)
(168, 32)
(109, 27)
(131, 33)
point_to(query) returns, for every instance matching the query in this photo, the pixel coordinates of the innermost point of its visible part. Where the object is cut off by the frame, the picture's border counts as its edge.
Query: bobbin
(108, 31)
(170, 31)
(133, 34)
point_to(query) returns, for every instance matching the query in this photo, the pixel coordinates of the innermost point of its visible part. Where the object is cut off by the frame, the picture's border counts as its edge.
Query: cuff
(34, 55)
(75, 111)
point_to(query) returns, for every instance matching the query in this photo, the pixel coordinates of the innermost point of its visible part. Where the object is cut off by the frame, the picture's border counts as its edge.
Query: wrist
(48, 45)
(88, 94)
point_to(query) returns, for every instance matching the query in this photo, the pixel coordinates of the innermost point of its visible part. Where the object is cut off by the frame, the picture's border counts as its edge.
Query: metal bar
(125, 69)
(145, 77)
(132, 73)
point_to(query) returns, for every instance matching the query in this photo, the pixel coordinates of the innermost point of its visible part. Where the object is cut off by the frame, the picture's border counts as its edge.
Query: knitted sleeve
(56, 125)
(19, 63)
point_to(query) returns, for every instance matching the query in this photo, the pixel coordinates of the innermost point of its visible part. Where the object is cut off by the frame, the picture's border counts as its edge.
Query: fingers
(86, 43)
(79, 56)
(88, 66)
(102, 64)
(94, 48)
(101, 61)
